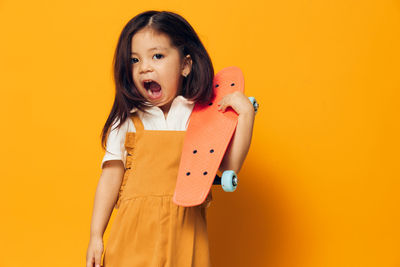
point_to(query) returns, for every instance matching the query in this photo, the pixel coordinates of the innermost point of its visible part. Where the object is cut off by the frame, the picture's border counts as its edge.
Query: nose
(145, 66)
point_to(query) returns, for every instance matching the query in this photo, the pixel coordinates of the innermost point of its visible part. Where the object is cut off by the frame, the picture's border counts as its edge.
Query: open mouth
(153, 89)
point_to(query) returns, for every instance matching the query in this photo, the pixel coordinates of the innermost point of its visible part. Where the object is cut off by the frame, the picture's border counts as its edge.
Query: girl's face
(157, 67)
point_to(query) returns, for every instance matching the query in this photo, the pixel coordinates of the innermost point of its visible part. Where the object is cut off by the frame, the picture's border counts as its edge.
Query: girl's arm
(106, 196)
(240, 142)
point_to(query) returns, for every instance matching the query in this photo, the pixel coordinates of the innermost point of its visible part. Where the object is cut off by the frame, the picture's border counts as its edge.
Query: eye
(158, 56)
(134, 60)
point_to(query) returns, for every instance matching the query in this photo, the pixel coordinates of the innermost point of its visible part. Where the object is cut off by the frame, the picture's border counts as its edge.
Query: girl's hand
(94, 252)
(238, 102)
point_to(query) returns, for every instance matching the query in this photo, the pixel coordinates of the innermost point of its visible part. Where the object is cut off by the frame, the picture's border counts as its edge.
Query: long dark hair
(197, 86)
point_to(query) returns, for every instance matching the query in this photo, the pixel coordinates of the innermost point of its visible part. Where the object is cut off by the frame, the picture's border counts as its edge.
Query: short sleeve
(115, 145)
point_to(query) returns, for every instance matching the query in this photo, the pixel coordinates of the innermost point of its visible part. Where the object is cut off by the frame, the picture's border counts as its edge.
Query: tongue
(155, 87)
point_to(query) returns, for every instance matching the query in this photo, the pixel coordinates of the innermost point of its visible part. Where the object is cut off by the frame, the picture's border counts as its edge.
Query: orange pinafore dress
(149, 230)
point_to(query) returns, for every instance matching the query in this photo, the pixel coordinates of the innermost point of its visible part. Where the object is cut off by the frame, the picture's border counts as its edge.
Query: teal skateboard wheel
(229, 181)
(254, 103)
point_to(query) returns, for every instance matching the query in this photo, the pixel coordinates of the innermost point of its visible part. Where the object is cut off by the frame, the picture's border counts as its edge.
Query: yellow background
(320, 186)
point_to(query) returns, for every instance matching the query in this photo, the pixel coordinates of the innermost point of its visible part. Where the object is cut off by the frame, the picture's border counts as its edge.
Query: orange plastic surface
(206, 140)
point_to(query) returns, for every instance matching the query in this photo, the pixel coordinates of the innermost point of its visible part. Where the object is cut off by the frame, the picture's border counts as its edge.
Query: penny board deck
(207, 137)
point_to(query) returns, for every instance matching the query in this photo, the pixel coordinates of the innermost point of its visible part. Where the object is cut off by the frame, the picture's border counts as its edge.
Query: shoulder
(118, 129)
(182, 105)
(183, 101)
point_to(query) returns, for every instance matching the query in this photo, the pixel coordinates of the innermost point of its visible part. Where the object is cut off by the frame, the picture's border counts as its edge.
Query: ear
(187, 65)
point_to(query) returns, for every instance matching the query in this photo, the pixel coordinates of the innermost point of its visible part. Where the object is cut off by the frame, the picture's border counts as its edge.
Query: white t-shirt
(177, 120)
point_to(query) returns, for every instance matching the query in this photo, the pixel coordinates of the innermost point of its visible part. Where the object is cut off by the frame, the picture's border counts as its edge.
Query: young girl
(161, 69)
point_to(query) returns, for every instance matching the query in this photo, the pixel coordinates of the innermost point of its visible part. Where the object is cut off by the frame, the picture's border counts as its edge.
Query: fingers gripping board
(207, 137)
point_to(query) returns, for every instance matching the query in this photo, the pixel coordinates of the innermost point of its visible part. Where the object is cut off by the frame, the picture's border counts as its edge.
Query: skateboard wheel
(229, 181)
(254, 103)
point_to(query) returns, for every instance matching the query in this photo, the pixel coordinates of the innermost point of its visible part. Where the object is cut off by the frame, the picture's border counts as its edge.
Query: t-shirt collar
(180, 100)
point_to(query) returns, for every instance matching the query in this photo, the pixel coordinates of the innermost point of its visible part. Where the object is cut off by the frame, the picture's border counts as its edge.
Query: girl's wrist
(96, 235)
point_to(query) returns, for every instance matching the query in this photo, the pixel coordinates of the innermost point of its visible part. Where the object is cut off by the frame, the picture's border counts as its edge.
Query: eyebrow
(154, 48)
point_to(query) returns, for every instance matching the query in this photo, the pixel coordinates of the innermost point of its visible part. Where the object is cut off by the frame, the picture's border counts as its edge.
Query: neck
(165, 110)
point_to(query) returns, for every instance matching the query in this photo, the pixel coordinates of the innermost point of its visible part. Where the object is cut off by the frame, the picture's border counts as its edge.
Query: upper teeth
(146, 83)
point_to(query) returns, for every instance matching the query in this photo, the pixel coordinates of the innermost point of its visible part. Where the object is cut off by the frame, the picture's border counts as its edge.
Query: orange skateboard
(206, 140)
